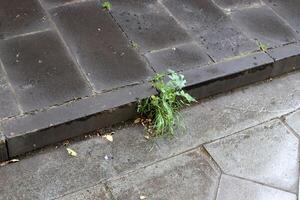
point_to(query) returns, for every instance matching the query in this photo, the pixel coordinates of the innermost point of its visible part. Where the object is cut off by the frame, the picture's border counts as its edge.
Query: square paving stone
(41, 71)
(293, 121)
(99, 45)
(232, 4)
(19, 17)
(267, 154)
(8, 104)
(211, 27)
(182, 57)
(148, 24)
(194, 173)
(288, 9)
(97, 192)
(263, 25)
(231, 188)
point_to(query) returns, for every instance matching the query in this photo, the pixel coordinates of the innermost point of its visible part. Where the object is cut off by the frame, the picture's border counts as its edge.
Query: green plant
(161, 111)
(106, 5)
(262, 46)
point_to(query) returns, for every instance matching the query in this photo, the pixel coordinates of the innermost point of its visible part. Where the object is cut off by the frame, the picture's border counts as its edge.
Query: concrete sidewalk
(243, 145)
(69, 67)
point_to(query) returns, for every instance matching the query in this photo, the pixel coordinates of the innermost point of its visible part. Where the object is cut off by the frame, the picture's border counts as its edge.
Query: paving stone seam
(68, 50)
(240, 131)
(260, 183)
(68, 3)
(77, 99)
(285, 21)
(28, 33)
(19, 107)
(298, 137)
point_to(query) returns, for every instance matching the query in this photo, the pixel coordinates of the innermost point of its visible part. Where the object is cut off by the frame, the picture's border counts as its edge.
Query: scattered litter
(174, 49)
(107, 157)
(71, 152)
(143, 197)
(109, 137)
(8, 162)
(40, 61)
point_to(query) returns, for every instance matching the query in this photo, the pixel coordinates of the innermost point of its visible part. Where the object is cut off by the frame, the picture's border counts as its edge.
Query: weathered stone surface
(97, 192)
(259, 24)
(194, 173)
(231, 188)
(99, 45)
(30, 132)
(235, 4)
(224, 76)
(211, 27)
(288, 9)
(182, 57)
(293, 121)
(148, 24)
(3, 149)
(19, 17)
(287, 59)
(8, 104)
(53, 173)
(37, 80)
(267, 153)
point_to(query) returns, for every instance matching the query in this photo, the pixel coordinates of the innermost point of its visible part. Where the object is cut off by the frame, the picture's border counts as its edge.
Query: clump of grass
(263, 47)
(161, 111)
(106, 5)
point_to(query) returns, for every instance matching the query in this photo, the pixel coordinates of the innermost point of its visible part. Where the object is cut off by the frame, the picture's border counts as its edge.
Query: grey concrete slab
(8, 104)
(99, 46)
(210, 27)
(194, 173)
(288, 9)
(236, 4)
(267, 153)
(129, 150)
(148, 24)
(259, 24)
(238, 189)
(178, 58)
(19, 17)
(37, 79)
(293, 121)
(53, 173)
(287, 59)
(97, 192)
(3, 149)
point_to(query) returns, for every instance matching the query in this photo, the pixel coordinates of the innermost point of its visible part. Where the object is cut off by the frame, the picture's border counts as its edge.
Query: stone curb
(30, 132)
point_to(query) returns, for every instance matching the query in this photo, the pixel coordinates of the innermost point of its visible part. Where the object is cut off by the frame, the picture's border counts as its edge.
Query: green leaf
(106, 5)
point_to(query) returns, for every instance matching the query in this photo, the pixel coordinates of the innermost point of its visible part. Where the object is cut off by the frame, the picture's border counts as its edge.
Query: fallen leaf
(9, 161)
(143, 197)
(138, 120)
(147, 137)
(71, 152)
(108, 137)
